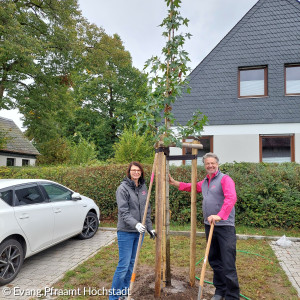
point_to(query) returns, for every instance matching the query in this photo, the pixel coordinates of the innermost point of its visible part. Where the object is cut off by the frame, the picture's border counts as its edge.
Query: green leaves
(174, 3)
(66, 76)
(194, 126)
(39, 49)
(133, 147)
(268, 194)
(167, 81)
(36, 38)
(109, 89)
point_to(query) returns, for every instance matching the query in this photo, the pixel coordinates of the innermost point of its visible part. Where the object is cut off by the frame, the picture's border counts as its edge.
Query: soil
(180, 289)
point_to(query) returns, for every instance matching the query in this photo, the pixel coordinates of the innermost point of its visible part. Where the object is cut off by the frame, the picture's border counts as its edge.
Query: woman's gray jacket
(131, 200)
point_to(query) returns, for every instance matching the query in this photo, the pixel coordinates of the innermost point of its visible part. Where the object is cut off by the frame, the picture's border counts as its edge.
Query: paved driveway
(47, 267)
(289, 259)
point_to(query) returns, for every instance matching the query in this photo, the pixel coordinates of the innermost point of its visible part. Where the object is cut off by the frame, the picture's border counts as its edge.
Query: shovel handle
(200, 292)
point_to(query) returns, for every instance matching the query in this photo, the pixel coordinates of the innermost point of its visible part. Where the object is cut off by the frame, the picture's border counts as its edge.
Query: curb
(202, 234)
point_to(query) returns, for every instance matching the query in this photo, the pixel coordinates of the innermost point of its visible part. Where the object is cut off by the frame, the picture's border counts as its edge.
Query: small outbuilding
(16, 150)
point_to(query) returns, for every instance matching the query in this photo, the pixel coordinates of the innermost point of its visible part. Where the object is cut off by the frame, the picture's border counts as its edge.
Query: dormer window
(292, 79)
(253, 82)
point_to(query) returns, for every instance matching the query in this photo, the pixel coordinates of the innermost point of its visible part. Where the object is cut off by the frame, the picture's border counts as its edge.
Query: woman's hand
(173, 182)
(140, 227)
(152, 234)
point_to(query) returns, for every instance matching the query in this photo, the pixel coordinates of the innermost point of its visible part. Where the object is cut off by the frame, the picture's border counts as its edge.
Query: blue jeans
(128, 243)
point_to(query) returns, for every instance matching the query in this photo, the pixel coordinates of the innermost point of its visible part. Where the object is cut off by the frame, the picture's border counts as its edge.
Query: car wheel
(90, 226)
(11, 260)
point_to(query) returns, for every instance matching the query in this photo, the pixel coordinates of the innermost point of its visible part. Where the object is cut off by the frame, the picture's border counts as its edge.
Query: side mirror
(76, 196)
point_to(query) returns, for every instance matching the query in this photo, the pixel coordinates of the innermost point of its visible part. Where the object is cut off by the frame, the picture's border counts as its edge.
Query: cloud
(136, 21)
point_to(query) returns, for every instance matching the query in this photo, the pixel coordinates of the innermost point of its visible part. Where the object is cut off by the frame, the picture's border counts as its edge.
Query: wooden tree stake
(164, 235)
(159, 223)
(168, 254)
(193, 218)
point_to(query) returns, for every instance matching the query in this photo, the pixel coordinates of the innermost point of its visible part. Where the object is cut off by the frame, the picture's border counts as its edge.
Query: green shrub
(82, 152)
(64, 151)
(54, 151)
(268, 194)
(133, 147)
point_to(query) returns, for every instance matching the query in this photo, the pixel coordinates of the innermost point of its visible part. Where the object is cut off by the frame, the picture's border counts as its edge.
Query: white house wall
(18, 160)
(240, 143)
(283, 128)
(237, 148)
(175, 151)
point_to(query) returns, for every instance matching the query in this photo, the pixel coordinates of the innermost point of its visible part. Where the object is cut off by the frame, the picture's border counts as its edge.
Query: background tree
(108, 91)
(66, 76)
(37, 39)
(39, 50)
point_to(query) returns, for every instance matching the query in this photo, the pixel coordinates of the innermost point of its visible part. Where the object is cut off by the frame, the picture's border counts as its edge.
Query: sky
(137, 23)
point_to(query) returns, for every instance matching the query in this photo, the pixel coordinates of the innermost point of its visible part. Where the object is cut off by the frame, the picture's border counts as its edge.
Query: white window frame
(265, 83)
(287, 66)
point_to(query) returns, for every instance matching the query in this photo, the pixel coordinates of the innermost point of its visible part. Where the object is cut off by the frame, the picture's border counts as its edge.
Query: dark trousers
(222, 256)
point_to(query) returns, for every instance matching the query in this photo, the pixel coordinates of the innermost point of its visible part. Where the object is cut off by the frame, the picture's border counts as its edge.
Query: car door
(34, 215)
(68, 214)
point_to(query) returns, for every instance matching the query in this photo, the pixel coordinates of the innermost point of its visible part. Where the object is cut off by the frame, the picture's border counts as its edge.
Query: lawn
(259, 272)
(240, 229)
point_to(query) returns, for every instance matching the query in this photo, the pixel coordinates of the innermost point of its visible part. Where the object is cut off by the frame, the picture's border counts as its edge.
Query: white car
(35, 214)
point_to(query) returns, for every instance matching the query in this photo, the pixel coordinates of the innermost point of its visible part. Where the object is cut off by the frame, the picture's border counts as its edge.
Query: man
(219, 198)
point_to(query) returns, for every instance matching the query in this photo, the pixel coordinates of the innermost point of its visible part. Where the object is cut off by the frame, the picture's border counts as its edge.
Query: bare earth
(180, 288)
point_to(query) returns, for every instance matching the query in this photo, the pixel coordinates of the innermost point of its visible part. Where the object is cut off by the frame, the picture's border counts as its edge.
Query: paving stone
(289, 260)
(47, 267)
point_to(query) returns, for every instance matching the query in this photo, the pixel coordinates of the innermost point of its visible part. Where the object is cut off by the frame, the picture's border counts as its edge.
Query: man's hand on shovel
(213, 219)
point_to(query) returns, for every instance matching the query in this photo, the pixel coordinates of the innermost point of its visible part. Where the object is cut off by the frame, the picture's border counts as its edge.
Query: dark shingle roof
(269, 34)
(16, 141)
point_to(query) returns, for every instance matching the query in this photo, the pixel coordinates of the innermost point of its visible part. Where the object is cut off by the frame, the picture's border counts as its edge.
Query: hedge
(268, 194)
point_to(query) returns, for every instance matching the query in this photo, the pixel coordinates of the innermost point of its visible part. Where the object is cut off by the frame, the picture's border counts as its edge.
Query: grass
(240, 229)
(260, 276)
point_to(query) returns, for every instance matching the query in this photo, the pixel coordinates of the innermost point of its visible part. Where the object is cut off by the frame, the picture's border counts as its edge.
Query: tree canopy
(66, 76)
(37, 40)
(109, 90)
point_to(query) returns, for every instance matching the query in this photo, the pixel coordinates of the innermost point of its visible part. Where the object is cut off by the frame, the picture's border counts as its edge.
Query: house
(16, 150)
(249, 88)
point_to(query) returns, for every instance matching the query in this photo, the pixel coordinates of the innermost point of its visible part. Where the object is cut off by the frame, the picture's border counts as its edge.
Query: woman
(131, 199)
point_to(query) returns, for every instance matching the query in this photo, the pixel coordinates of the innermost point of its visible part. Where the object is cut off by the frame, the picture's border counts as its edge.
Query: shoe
(217, 297)
(125, 298)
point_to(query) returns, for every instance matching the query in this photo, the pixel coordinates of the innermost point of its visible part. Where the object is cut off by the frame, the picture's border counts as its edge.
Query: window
(277, 148)
(29, 195)
(56, 192)
(6, 196)
(292, 79)
(206, 141)
(253, 82)
(10, 162)
(25, 162)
